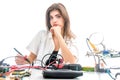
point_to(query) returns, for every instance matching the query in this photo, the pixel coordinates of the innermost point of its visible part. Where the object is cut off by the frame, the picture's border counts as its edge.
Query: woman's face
(56, 19)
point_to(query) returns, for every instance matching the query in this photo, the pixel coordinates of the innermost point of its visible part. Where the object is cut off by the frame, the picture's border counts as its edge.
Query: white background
(20, 20)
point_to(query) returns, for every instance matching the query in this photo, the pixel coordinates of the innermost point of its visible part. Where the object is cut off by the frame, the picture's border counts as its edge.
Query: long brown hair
(61, 8)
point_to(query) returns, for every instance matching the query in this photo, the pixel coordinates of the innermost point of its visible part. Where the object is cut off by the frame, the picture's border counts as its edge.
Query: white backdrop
(20, 20)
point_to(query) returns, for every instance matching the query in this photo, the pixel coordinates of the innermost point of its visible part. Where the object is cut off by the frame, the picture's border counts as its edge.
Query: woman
(58, 37)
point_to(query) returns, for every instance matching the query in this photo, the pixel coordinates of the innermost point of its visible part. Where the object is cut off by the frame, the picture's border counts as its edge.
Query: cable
(2, 61)
(42, 63)
(117, 75)
(108, 71)
(15, 67)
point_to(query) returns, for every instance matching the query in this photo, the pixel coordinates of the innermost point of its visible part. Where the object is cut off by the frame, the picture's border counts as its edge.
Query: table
(37, 75)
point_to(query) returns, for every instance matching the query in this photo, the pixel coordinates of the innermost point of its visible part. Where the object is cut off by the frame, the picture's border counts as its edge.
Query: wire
(15, 67)
(42, 63)
(108, 71)
(117, 75)
(1, 62)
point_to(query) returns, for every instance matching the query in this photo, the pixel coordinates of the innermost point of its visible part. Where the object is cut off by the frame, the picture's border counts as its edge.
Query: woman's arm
(31, 57)
(66, 53)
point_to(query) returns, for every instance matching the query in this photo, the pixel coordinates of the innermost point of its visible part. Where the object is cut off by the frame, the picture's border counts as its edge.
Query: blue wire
(108, 71)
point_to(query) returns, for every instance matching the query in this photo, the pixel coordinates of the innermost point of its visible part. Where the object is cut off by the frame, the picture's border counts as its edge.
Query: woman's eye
(58, 16)
(51, 17)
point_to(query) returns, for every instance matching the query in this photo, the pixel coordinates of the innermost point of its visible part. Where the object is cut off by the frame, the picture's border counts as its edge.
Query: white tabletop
(37, 75)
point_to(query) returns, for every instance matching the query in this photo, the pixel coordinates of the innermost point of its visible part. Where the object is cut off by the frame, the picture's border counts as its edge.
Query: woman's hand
(19, 59)
(56, 31)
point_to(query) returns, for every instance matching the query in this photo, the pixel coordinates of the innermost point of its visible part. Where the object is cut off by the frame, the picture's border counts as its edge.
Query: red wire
(15, 67)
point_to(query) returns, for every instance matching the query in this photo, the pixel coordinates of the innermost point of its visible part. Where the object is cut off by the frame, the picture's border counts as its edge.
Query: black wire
(1, 62)
(42, 63)
(117, 75)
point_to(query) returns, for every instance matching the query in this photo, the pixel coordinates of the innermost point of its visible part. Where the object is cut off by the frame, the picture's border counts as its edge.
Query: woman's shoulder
(42, 32)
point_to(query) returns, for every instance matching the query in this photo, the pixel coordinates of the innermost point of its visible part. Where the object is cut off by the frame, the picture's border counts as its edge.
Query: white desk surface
(37, 75)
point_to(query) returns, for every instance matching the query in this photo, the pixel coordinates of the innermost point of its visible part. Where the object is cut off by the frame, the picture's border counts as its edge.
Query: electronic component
(62, 74)
(22, 72)
(3, 70)
(76, 67)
